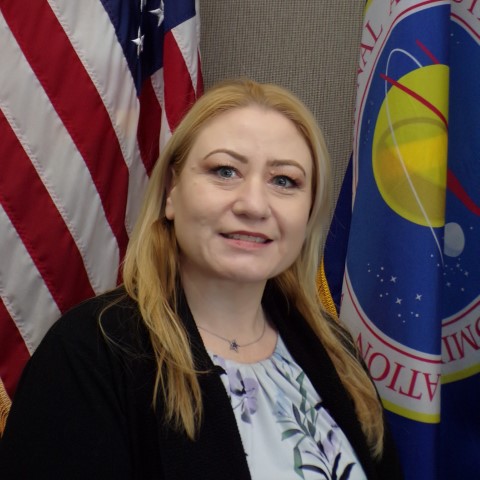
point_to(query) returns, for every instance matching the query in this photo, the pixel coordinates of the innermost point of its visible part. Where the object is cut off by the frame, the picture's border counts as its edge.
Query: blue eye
(284, 181)
(225, 172)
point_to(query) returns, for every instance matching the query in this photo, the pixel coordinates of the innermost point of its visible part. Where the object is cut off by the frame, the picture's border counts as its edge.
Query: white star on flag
(139, 42)
(159, 13)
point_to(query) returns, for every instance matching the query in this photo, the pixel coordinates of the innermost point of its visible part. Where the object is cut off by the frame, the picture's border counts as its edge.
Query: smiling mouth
(246, 238)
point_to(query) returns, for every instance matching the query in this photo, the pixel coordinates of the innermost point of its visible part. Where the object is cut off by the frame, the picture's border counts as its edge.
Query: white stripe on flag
(187, 40)
(159, 89)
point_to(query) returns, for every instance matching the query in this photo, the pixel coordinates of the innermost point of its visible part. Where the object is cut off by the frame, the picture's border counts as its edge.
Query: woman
(215, 359)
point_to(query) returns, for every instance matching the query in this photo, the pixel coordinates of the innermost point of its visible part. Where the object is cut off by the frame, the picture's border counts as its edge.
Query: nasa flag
(411, 288)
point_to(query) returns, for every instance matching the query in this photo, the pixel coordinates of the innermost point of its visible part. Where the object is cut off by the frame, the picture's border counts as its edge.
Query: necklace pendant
(234, 345)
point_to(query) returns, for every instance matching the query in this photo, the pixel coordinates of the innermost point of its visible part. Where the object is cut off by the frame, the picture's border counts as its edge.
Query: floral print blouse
(285, 430)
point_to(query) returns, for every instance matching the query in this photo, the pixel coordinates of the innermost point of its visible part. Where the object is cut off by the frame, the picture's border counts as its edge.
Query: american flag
(89, 92)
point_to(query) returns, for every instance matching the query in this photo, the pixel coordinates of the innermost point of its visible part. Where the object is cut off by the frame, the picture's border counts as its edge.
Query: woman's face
(240, 206)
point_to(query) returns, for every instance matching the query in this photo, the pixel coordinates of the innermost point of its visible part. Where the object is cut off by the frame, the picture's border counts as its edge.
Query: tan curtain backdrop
(308, 46)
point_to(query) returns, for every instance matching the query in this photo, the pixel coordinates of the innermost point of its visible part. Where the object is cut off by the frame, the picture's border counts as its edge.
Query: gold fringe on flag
(5, 404)
(324, 292)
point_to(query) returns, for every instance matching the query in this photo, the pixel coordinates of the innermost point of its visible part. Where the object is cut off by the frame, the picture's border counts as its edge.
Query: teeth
(247, 238)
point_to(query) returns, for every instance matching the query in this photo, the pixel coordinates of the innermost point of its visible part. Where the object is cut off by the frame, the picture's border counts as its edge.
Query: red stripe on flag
(76, 100)
(38, 223)
(13, 352)
(179, 92)
(148, 132)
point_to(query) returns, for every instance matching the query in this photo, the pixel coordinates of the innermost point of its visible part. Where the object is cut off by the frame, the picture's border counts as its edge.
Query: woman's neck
(225, 307)
(230, 318)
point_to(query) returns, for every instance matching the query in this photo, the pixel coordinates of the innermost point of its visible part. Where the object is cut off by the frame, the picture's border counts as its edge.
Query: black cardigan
(83, 407)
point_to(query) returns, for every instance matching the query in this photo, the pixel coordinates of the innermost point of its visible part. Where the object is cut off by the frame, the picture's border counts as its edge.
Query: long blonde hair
(150, 269)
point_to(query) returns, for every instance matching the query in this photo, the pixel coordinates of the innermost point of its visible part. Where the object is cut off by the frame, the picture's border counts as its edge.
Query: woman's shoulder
(114, 304)
(112, 318)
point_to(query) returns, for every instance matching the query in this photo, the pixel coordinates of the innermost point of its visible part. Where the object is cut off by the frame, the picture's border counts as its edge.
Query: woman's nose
(252, 199)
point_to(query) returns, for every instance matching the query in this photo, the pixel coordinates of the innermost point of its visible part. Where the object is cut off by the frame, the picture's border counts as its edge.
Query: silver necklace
(234, 345)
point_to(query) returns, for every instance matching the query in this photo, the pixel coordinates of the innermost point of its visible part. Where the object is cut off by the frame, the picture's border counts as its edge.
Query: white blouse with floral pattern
(285, 430)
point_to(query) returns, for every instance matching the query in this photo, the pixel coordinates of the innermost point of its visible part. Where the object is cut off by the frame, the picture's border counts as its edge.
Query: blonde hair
(150, 269)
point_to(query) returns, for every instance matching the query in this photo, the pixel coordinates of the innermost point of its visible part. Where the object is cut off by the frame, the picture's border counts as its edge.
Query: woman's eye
(284, 181)
(225, 172)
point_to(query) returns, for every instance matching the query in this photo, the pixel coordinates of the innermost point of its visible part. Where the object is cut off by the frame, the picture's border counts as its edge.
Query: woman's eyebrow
(288, 163)
(232, 153)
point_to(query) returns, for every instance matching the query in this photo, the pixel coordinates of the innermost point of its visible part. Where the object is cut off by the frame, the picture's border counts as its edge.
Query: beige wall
(308, 46)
